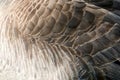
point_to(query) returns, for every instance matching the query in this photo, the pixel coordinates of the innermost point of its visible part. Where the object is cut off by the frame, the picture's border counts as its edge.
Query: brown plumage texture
(58, 40)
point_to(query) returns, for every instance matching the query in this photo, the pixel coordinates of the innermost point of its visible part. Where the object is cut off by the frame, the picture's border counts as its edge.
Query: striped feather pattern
(57, 40)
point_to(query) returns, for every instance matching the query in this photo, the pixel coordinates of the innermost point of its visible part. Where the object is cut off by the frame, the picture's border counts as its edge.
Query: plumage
(58, 40)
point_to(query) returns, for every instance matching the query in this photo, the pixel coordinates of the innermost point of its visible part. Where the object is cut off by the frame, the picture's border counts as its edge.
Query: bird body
(57, 40)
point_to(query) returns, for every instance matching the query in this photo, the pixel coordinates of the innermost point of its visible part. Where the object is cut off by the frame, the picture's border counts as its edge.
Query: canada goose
(58, 40)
